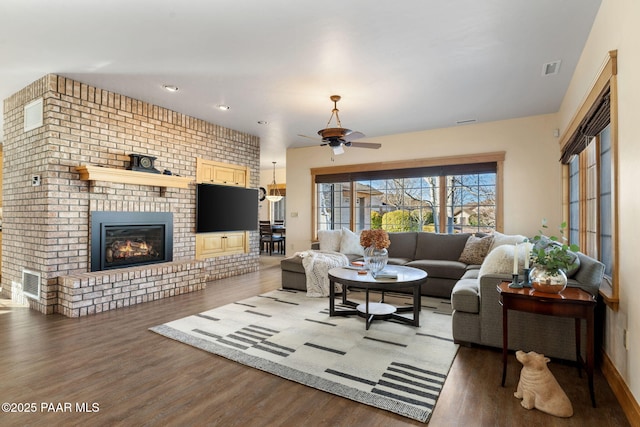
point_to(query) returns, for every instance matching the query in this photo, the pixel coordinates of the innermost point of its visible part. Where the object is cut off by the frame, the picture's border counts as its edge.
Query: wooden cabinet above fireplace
(212, 172)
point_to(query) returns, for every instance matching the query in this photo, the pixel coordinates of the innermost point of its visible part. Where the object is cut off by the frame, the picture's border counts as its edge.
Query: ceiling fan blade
(309, 137)
(373, 145)
(353, 135)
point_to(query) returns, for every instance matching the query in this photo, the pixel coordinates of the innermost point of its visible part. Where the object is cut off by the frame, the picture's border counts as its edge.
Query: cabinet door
(224, 175)
(240, 177)
(204, 172)
(209, 245)
(235, 242)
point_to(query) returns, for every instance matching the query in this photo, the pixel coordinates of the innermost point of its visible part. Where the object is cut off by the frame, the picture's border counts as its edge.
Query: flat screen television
(226, 208)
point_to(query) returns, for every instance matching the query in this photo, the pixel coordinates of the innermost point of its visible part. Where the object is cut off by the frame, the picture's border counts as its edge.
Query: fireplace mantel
(99, 173)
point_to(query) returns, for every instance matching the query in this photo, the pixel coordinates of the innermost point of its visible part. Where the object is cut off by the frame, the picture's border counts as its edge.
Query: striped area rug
(393, 366)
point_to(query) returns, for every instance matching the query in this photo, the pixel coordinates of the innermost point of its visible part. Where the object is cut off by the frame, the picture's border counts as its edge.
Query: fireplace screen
(125, 239)
(133, 244)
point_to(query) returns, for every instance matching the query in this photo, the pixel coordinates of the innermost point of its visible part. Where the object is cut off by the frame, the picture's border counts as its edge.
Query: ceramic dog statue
(538, 387)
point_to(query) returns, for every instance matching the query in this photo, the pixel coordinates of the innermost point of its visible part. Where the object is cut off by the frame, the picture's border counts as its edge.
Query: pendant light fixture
(274, 193)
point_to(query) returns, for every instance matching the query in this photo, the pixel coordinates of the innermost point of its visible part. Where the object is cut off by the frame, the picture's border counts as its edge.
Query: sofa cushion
(293, 263)
(500, 260)
(590, 274)
(475, 249)
(403, 245)
(330, 240)
(439, 246)
(399, 261)
(465, 296)
(440, 268)
(350, 243)
(500, 239)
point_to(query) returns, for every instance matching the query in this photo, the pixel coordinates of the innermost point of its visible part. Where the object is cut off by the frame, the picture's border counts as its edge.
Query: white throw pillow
(330, 240)
(350, 243)
(500, 239)
(500, 260)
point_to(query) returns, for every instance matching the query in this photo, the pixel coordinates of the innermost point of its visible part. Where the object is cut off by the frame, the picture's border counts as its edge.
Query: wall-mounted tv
(226, 208)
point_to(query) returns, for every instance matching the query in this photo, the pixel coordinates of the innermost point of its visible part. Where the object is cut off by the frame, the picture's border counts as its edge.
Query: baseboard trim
(621, 391)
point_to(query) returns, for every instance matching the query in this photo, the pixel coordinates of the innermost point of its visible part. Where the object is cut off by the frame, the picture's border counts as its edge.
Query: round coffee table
(407, 278)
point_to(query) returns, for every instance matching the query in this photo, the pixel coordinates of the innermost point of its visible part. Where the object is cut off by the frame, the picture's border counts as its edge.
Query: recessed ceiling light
(262, 122)
(171, 88)
(223, 107)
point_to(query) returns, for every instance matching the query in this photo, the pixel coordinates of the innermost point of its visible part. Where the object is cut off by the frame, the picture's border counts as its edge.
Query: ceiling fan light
(337, 149)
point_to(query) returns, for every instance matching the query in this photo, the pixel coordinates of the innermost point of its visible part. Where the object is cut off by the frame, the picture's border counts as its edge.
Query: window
(589, 153)
(420, 196)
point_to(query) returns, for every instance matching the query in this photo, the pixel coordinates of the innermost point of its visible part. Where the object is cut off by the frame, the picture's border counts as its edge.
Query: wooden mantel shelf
(99, 173)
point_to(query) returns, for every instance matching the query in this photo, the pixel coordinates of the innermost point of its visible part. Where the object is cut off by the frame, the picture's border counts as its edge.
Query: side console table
(572, 302)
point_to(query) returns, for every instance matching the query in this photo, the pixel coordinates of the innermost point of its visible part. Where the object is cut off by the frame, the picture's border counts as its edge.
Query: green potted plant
(552, 258)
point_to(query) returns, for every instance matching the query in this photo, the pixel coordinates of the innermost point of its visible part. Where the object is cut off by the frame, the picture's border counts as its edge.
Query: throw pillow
(500, 260)
(350, 243)
(330, 240)
(500, 239)
(475, 250)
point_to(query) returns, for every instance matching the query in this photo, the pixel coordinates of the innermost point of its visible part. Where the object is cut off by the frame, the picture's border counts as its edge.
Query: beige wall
(531, 169)
(616, 27)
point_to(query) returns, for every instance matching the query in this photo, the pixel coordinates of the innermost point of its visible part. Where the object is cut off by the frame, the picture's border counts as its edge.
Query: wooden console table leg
(579, 360)
(591, 353)
(505, 343)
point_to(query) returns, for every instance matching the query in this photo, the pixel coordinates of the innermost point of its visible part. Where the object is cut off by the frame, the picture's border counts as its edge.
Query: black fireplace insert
(126, 239)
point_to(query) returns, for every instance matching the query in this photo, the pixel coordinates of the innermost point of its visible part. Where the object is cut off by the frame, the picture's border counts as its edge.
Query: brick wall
(46, 228)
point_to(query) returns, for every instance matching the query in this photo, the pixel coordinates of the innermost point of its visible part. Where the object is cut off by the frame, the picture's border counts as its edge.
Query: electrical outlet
(35, 180)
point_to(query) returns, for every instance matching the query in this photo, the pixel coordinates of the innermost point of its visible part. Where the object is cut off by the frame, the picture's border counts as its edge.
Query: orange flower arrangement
(378, 238)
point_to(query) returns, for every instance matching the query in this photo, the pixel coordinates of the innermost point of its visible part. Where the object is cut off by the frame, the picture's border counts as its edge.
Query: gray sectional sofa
(437, 254)
(471, 286)
(477, 314)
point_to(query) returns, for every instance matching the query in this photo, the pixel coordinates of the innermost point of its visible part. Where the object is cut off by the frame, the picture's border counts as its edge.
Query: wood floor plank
(141, 378)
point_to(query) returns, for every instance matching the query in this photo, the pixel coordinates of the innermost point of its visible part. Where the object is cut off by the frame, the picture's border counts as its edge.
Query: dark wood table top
(575, 295)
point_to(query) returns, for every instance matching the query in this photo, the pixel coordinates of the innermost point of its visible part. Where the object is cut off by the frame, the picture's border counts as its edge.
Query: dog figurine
(538, 387)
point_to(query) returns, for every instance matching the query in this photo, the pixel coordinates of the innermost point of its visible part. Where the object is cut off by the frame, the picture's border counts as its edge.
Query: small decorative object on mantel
(552, 260)
(375, 243)
(538, 387)
(142, 163)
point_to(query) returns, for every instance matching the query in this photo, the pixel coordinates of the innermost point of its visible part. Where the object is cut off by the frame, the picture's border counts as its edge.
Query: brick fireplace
(129, 239)
(47, 228)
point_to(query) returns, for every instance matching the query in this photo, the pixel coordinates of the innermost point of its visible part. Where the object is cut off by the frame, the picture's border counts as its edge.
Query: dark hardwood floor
(139, 378)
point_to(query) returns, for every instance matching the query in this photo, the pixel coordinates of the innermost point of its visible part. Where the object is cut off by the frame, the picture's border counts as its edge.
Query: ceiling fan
(338, 137)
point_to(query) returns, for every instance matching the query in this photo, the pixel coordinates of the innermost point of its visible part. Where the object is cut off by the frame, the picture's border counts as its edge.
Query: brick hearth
(46, 227)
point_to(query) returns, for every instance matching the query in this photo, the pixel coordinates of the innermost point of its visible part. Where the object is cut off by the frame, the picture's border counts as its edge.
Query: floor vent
(31, 284)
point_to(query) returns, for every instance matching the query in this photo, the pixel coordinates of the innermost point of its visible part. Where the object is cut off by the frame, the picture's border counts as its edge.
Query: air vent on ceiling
(33, 115)
(31, 284)
(466, 122)
(551, 68)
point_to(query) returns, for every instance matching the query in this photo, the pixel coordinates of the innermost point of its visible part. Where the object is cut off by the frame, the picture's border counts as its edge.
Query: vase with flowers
(375, 243)
(551, 258)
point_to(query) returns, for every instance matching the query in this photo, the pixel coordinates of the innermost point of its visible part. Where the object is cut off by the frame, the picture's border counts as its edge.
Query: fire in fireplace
(125, 239)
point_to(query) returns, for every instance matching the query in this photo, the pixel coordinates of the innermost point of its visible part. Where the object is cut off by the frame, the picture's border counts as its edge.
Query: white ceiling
(400, 66)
